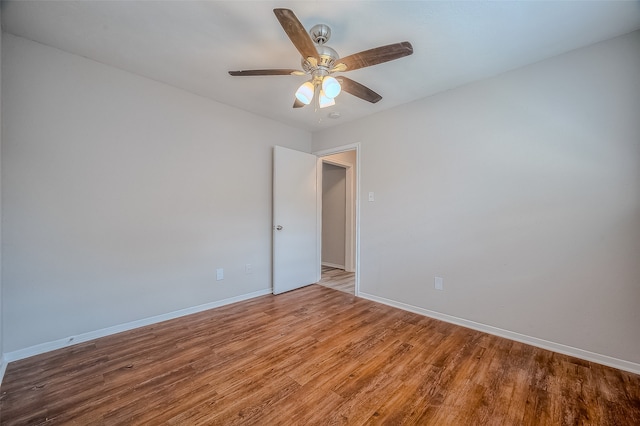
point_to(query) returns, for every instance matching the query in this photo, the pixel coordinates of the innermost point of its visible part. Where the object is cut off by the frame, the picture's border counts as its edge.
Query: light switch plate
(438, 283)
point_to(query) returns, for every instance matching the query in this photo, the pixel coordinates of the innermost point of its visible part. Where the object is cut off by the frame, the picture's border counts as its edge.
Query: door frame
(349, 261)
(353, 241)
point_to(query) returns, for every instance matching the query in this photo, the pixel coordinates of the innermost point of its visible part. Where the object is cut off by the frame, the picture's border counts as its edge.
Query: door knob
(278, 228)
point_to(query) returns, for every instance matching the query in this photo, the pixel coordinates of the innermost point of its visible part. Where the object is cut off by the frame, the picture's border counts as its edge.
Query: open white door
(295, 234)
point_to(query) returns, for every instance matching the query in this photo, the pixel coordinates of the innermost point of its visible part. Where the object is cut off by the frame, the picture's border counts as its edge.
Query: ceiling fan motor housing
(328, 56)
(327, 59)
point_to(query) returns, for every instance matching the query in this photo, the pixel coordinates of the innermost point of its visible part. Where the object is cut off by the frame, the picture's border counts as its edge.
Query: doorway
(338, 218)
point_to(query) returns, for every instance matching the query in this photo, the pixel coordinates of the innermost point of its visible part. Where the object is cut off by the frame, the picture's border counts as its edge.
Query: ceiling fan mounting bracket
(320, 33)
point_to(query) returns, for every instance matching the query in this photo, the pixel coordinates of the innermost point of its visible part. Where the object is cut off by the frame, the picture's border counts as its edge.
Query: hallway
(338, 279)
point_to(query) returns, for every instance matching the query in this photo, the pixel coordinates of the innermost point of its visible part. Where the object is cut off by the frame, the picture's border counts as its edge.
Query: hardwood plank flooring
(338, 279)
(314, 356)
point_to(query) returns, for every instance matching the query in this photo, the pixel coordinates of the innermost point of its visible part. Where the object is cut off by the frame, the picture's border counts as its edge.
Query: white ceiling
(192, 44)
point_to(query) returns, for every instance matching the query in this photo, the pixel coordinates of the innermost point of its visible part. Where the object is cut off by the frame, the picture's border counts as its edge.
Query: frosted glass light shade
(331, 87)
(325, 101)
(305, 93)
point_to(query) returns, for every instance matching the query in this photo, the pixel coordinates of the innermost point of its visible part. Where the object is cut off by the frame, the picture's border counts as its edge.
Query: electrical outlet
(438, 283)
(219, 274)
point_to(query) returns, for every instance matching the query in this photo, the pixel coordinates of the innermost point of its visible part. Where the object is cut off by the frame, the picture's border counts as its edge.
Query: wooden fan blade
(296, 32)
(376, 55)
(298, 104)
(247, 73)
(358, 90)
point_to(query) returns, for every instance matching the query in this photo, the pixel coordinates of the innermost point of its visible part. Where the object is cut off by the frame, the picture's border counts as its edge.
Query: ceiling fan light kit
(319, 61)
(331, 87)
(305, 92)
(325, 101)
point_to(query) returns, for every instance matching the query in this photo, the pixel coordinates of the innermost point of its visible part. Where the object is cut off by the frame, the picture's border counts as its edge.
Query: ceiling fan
(319, 61)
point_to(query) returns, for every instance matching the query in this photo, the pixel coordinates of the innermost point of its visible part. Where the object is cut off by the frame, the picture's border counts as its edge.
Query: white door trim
(323, 153)
(349, 260)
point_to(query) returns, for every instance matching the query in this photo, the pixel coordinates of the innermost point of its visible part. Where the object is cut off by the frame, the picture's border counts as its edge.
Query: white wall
(2, 366)
(522, 192)
(121, 196)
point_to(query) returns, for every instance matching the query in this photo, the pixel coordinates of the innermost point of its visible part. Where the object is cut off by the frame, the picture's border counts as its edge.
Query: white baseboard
(333, 265)
(533, 341)
(3, 367)
(85, 337)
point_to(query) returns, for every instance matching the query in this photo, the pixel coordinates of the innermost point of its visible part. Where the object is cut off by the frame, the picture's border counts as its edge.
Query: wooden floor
(338, 279)
(314, 356)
